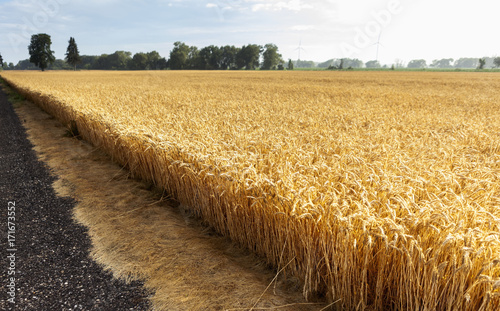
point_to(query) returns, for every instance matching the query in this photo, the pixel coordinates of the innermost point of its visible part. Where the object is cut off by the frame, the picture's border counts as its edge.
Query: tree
(207, 59)
(119, 60)
(1, 61)
(155, 61)
(441, 63)
(194, 61)
(466, 63)
(25, 65)
(248, 57)
(496, 61)
(39, 49)
(337, 65)
(347, 62)
(482, 62)
(373, 64)
(271, 57)
(304, 64)
(162, 64)
(341, 64)
(60, 64)
(417, 63)
(88, 62)
(228, 60)
(290, 64)
(72, 54)
(399, 63)
(353, 63)
(101, 62)
(326, 64)
(179, 56)
(211, 58)
(138, 62)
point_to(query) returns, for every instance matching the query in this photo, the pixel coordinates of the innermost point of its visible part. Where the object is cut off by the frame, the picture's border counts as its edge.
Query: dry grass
(380, 189)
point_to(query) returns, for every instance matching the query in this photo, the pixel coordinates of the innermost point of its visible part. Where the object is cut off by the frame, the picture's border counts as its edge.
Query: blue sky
(408, 29)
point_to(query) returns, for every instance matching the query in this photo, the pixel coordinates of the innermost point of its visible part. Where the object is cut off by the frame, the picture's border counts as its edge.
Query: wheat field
(380, 190)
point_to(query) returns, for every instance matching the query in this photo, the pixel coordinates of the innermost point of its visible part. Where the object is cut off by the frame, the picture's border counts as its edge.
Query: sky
(388, 30)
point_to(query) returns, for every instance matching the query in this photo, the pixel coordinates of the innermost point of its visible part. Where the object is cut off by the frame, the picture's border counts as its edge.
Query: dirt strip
(139, 233)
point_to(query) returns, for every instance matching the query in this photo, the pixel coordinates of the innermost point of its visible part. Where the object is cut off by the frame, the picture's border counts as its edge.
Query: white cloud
(211, 5)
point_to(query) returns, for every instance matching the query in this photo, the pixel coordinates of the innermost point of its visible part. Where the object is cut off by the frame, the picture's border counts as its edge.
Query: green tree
(326, 64)
(101, 62)
(1, 61)
(341, 64)
(228, 60)
(194, 60)
(417, 63)
(337, 64)
(155, 61)
(248, 57)
(348, 62)
(304, 64)
(466, 62)
(496, 61)
(179, 56)
(290, 64)
(162, 64)
(441, 63)
(119, 60)
(72, 54)
(88, 62)
(60, 64)
(25, 65)
(271, 57)
(211, 57)
(139, 62)
(373, 64)
(353, 63)
(240, 58)
(39, 49)
(482, 62)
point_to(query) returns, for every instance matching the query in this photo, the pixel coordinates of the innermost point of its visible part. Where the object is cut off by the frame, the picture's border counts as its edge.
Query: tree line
(212, 57)
(464, 62)
(445, 63)
(182, 56)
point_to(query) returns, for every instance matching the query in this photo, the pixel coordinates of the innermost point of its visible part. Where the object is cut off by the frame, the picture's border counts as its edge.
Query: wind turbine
(300, 48)
(378, 44)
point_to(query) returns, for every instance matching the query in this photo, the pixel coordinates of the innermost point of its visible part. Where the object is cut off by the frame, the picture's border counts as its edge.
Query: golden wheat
(380, 190)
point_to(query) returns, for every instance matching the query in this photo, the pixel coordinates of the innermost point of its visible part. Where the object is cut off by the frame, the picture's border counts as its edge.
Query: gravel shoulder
(53, 270)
